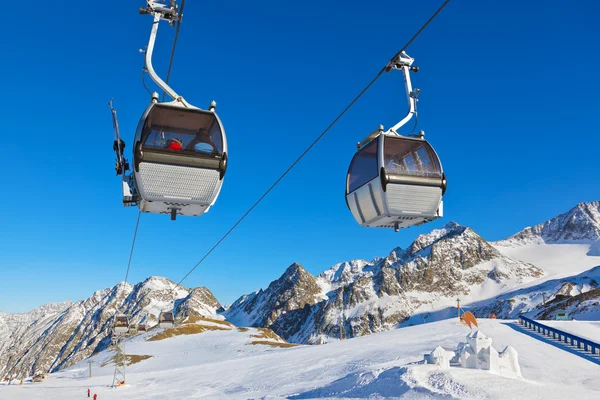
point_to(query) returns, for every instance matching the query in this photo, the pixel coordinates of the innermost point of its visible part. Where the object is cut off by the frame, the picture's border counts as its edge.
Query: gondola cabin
(121, 324)
(395, 182)
(179, 151)
(166, 320)
(180, 159)
(133, 329)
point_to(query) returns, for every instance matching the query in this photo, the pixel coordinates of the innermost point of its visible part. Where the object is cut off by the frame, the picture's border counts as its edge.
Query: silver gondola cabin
(121, 324)
(166, 320)
(396, 181)
(179, 150)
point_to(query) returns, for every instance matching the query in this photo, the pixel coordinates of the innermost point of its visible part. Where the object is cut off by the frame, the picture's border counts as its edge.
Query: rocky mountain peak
(293, 273)
(200, 302)
(294, 289)
(579, 224)
(425, 240)
(345, 272)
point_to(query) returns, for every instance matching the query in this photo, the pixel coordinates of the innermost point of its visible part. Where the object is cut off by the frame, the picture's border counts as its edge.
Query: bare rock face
(200, 302)
(579, 304)
(357, 298)
(292, 291)
(58, 335)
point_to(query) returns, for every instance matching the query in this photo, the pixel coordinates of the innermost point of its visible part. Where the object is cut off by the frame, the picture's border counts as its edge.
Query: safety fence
(582, 344)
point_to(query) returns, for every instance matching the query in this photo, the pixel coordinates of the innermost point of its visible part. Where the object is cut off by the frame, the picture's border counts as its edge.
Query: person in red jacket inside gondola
(174, 144)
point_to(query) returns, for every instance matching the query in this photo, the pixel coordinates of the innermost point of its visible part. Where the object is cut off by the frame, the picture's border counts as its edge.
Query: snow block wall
(477, 353)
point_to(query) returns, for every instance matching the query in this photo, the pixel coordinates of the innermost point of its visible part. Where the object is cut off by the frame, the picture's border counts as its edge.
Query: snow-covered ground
(223, 364)
(586, 329)
(557, 260)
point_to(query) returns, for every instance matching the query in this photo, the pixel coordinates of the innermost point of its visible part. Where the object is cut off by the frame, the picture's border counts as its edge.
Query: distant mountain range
(537, 271)
(55, 336)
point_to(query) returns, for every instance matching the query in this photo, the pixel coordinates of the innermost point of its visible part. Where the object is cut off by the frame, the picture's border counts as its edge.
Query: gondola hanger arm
(167, 13)
(404, 63)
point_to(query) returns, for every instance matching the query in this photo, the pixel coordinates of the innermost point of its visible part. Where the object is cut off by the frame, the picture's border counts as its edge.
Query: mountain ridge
(581, 224)
(55, 336)
(434, 269)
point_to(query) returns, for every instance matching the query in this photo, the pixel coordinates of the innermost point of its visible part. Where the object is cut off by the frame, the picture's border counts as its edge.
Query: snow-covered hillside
(579, 294)
(218, 364)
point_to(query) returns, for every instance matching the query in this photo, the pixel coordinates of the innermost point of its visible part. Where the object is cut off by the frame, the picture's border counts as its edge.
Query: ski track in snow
(221, 364)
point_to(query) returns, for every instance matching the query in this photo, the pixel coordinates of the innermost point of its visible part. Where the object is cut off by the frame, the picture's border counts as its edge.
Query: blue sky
(508, 99)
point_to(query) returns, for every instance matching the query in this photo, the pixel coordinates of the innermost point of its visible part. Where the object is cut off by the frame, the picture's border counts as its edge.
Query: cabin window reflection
(191, 133)
(217, 136)
(410, 157)
(363, 167)
(201, 141)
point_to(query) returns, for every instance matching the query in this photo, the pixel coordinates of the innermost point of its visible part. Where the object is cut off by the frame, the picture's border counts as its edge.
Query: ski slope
(223, 364)
(557, 260)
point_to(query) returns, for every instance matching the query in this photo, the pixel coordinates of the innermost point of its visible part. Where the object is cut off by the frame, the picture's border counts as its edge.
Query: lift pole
(90, 365)
(119, 375)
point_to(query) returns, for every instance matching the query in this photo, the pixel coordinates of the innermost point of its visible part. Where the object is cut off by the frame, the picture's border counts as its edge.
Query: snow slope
(586, 329)
(557, 260)
(221, 364)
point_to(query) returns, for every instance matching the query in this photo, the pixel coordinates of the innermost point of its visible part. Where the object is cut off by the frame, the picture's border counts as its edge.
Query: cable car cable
(164, 93)
(420, 30)
(311, 146)
(174, 46)
(144, 81)
(316, 140)
(118, 310)
(133, 244)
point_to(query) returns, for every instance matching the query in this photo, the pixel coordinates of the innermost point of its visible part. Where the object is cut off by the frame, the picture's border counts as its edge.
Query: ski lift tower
(119, 375)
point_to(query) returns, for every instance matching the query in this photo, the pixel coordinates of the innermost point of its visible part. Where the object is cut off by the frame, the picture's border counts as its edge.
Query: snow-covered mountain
(359, 297)
(57, 335)
(579, 224)
(567, 248)
(294, 290)
(578, 294)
